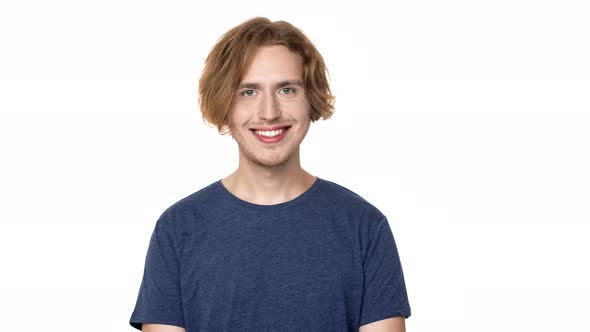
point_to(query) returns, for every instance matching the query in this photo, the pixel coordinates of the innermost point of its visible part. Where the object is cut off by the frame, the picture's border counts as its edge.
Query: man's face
(270, 114)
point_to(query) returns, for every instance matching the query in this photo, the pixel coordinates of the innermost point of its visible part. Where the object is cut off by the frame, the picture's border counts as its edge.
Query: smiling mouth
(270, 133)
(270, 136)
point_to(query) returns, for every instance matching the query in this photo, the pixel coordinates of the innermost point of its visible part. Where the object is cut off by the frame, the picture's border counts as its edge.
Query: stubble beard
(253, 159)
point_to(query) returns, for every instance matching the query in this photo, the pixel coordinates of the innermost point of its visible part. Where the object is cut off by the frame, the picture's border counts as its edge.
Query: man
(270, 247)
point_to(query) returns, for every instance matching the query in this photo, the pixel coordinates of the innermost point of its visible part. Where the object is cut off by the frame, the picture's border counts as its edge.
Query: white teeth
(269, 133)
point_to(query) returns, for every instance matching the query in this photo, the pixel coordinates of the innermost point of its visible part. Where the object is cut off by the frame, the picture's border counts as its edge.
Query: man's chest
(271, 267)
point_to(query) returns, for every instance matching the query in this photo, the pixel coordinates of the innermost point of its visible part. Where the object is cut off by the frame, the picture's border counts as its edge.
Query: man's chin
(268, 160)
(271, 163)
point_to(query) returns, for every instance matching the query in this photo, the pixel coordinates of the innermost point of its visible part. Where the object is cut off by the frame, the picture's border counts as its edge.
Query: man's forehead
(269, 61)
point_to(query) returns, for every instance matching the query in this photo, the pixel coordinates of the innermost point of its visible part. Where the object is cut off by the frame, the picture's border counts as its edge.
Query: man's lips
(271, 136)
(270, 128)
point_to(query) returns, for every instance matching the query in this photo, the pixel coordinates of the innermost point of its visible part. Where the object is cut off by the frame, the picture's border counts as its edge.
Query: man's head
(231, 57)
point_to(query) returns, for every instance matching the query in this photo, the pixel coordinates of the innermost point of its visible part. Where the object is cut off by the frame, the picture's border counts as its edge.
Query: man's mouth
(270, 136)
(270, 132)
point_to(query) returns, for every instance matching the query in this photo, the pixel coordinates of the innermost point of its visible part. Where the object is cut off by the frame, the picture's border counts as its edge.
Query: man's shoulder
(339, 192)
(206, 197)
(342, 197)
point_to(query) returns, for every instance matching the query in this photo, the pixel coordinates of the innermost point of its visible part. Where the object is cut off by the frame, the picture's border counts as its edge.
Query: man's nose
(270, 108)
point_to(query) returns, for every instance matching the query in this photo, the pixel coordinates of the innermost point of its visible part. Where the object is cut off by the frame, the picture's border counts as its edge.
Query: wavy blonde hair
(230, 56)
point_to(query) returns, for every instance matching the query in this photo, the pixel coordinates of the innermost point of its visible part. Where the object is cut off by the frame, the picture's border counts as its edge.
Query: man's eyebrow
(289, 82)
(247, 85)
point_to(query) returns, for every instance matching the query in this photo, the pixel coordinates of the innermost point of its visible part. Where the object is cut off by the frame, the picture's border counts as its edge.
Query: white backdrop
(465, 122)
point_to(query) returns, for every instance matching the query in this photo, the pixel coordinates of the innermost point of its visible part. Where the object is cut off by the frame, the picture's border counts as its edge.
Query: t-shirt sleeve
(159, 299)
(384, 293)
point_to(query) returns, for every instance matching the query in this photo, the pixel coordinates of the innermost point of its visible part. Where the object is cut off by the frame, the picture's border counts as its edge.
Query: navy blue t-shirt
(323, 261)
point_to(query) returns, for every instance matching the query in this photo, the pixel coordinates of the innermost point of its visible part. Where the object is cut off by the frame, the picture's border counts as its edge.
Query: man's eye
(248, 93)
(287, 91)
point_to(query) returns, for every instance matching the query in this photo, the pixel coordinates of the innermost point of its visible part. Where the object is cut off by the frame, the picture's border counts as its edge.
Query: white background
(465, 122)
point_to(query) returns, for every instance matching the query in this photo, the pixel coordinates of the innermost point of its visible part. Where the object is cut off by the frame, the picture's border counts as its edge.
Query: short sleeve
(384, 293)
(159, 299)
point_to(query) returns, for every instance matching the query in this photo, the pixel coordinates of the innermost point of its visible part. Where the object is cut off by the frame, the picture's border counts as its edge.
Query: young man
(270, 247)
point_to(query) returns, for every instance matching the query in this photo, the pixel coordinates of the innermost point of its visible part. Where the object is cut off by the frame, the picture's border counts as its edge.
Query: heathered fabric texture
(324, 261)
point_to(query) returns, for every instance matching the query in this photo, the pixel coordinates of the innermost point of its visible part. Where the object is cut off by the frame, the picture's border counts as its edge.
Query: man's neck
(267, 186)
